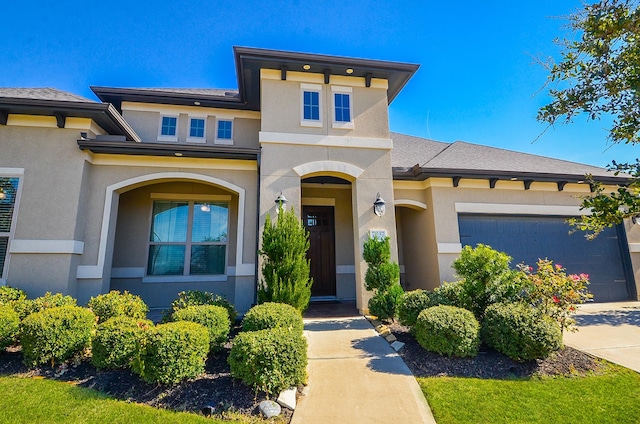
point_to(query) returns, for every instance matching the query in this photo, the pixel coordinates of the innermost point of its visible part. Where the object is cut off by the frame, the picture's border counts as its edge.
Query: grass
(32, 400)
(612, 397)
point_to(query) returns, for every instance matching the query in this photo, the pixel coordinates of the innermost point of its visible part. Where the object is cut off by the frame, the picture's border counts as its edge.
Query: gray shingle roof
(433, 155)
(41, 94)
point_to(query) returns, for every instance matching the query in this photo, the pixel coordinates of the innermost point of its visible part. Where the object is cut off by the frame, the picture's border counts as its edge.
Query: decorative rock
(269, 408)
(376, 323)
(208, 410)
(391, 338)
(397, 345)
(305, 391)
(287, 398)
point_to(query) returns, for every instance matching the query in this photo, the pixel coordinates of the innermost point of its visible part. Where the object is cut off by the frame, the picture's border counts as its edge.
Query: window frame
(197, 139)
(191, 200)
(226, 141)
(19, 174)
(314, 88)
(171, 138)
(345, 91)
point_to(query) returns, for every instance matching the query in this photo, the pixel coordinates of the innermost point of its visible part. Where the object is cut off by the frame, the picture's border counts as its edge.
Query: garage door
(527, 238)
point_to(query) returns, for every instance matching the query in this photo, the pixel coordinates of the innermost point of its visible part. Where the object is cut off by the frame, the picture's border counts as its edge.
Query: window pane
(210, 221)
(311, 105)
(8, 192)
(208, 259)
(168, 125)
(342, 107)
(170, 220)
(166, 260)
(224, 129)
(4, 241)
(196, 128)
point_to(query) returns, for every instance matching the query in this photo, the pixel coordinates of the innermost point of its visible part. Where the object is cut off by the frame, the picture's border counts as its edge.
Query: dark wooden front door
(320, 223)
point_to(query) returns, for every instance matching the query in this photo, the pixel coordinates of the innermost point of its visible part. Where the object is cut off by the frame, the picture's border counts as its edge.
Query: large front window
(188, 238)
(8, 197)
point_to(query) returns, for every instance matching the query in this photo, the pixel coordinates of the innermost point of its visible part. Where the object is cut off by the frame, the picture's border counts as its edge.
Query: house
(156, 191)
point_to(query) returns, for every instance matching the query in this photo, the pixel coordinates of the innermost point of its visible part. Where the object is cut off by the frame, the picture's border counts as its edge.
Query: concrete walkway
(356, 377)
(610, 331)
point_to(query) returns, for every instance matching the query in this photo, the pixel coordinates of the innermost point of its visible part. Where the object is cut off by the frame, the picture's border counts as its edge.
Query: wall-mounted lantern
(378, 205)
(281, 203)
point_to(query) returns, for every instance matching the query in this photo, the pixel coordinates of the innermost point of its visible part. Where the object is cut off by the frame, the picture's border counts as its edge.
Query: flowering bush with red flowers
(554, 292)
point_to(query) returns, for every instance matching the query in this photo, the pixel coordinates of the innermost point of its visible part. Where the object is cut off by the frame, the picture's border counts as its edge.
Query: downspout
(257, 270)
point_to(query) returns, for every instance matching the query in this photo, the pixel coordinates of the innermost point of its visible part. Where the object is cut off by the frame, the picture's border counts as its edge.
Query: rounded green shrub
(448, 330)
(269, 360)
(449, 294)
(520, 331)
(9, 326)
(214, 318)
(16, 298)
(384, 304)
(197, 297)
(173, 352)
(410, 306)
(272, 315)
(55, 334)
(114, 304)
(48, 301)
(118, 341)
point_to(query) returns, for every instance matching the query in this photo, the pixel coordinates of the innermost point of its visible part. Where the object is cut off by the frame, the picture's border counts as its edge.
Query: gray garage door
(527, 238)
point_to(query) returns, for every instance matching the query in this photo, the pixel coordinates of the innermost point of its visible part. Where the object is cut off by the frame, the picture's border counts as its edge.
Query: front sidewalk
(356, 377)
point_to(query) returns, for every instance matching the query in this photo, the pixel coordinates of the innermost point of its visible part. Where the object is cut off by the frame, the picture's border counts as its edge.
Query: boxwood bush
(411, 304)
(114, 304)
(197, 297)
(272, 315)
(520, 331)
(48, 301)
(384, 304)
(173, 352)
(16, 298)
(214, 318)
(55, 334)
(448, 330)
(449, 294)
(269, 360)
(9, 326)
(118, 341)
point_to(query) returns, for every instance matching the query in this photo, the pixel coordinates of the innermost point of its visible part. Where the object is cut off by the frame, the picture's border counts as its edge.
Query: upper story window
(197, 130)
(224, 132)
(8, 206)
(311, 105)
(168, 128)
(342, 107)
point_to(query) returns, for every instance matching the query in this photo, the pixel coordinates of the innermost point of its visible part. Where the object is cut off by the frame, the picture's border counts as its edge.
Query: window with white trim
(311, 105)
(197, 130)
(342, 107)
(168, 128)
(188, 238)
(8, 201)
(224, 131)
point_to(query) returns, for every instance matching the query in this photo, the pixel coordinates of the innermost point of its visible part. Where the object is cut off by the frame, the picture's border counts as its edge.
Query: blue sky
(478, 81)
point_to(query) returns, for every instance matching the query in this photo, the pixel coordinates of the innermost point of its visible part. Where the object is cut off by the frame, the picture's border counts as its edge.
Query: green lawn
(30, 400)
(610, 398)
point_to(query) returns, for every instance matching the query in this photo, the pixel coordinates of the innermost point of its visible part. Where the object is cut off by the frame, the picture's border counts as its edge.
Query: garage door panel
(528, 238)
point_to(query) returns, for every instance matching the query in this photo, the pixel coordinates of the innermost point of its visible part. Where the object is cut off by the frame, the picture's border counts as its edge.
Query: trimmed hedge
(384, 304)
(117, 342)
(214, 318)
(55, 334)
(520, 331)
(273, 315)
(16, 298)
(410, 306)
(173, 352)
(448, 330)
(114, 303)
(9, 326)
(197, 297)
(48, 301)
(449, 294)
(269, 360)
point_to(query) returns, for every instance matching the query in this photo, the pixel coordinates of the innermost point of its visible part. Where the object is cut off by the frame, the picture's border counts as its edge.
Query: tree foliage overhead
(600, 75)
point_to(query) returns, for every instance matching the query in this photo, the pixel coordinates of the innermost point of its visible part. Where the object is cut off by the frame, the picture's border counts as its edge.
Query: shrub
(197, 298)
(15, 298)
(9, 326)
(410, 306)
(448, 330)
(269, 360)
(285, 267)
(273, 315)
(114, 304)
(173, 352)
(48, 301)
(55, 334)
(118, 341)
(486, 278)
(214, 318)
(520, 331)
(384, 304)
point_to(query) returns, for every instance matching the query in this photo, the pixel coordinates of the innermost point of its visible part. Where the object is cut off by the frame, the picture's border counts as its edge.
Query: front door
(319, 222)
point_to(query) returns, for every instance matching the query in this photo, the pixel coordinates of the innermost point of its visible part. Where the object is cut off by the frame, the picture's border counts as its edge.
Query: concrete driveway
(610, 331)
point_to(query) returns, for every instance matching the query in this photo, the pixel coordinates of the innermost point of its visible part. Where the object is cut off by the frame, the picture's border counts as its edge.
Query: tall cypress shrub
(285, 267)
(382, 278)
